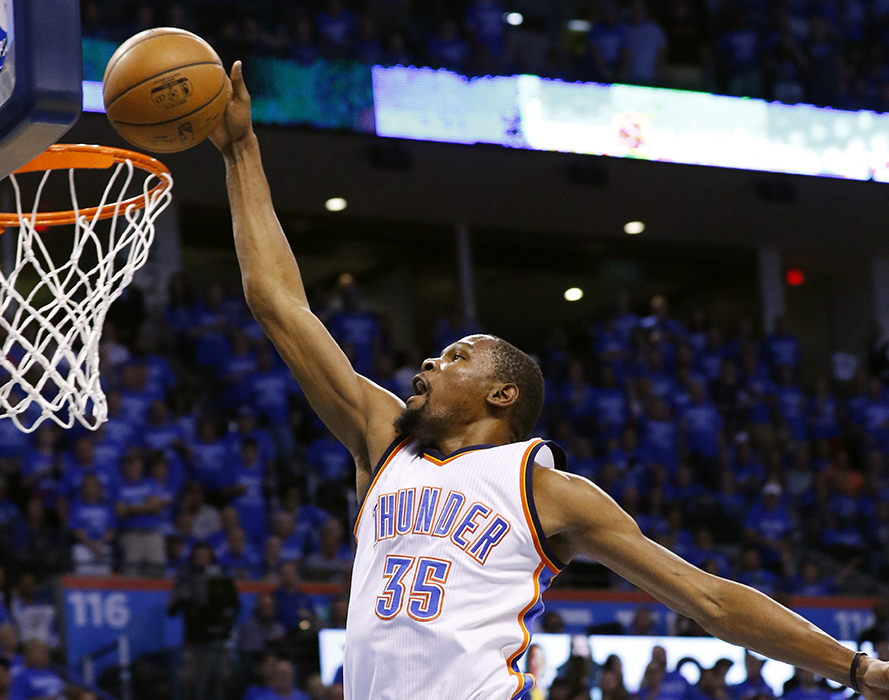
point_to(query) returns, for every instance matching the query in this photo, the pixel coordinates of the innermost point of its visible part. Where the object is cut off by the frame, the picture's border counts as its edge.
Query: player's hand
(874, 680)
(236, 123)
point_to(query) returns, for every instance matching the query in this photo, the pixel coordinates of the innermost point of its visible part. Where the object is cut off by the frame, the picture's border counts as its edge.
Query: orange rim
(85, 157)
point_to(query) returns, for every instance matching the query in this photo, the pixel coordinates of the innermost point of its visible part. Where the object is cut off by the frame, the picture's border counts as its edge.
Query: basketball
(165, 90)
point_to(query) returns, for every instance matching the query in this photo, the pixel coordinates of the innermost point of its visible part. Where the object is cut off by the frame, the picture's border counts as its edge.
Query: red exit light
(795, 277)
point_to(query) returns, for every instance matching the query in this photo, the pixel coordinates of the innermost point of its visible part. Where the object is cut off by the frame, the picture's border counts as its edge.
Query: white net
(55, 293)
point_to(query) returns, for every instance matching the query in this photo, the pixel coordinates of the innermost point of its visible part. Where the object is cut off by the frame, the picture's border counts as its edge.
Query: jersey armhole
(394, 447)
(556, 457)
(381, 462)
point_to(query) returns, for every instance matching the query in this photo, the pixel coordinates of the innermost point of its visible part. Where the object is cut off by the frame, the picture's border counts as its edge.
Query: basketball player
(464, 520)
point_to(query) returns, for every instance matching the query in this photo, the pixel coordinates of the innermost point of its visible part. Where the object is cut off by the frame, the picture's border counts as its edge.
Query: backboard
(41, 73)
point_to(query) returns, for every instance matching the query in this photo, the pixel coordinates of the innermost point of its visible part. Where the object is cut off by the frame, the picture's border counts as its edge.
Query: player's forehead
(471, 343)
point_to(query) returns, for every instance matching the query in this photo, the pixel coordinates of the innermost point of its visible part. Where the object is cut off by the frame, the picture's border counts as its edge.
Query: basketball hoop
(49, 347)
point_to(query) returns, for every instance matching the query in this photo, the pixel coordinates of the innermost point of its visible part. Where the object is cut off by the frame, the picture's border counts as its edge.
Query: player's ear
(502, 395)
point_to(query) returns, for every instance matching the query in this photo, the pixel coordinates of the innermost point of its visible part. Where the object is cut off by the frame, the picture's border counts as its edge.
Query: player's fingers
(238, 85)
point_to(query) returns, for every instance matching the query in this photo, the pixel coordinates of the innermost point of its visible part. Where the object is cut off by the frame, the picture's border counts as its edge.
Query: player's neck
(485, 432)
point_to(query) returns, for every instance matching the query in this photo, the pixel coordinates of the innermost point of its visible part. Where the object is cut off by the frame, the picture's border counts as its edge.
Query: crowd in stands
(711, 443)
(825, 52)
(28, 639)
(578, 675)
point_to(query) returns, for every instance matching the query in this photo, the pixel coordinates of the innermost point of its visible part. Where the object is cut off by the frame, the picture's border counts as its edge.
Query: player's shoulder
(567, 497)
(548, 478)
(383, 407)
(555, 488)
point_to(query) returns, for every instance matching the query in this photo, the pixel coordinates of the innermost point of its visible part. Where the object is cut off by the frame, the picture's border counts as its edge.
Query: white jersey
(448, 577)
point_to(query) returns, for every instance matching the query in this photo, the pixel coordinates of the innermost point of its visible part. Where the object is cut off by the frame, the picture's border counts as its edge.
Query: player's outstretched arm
(579, 518)
(358, 412)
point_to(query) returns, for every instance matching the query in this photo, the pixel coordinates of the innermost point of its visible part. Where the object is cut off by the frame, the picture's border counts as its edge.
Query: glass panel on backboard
(40, 76)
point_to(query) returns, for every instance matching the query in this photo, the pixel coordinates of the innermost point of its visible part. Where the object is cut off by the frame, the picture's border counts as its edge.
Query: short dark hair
(513, 366)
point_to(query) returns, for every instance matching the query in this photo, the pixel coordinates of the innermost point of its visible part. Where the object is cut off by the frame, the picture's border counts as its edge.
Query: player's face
(450, 390)
(462, 371)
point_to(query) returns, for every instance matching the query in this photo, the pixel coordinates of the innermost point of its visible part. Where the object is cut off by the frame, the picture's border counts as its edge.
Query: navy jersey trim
(560, 462)
(436, 455)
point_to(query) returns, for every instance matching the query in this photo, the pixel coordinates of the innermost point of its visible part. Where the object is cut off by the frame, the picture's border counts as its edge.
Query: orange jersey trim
(526, 634)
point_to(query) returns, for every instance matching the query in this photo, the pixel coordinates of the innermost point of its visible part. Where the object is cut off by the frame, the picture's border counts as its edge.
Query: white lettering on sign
(98, 609)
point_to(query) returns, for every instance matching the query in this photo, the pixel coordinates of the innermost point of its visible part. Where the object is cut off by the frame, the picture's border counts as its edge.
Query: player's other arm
(356, 410)
(579, 518)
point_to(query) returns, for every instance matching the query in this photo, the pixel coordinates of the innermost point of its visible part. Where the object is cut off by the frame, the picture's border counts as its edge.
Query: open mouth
(420, 387)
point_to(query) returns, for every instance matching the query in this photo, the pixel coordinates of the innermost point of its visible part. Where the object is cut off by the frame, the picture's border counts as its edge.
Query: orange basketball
(165, 90)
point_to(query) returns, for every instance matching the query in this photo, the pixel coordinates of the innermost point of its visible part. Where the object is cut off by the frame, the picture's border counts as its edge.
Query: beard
(424, 426)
